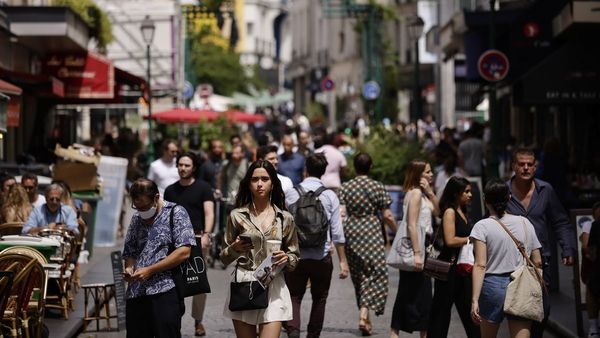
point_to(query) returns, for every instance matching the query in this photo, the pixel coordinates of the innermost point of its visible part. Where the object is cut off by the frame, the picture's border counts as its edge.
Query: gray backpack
(310, 218)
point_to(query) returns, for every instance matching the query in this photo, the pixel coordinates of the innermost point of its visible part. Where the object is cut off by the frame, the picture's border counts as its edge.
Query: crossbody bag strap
(523, 252)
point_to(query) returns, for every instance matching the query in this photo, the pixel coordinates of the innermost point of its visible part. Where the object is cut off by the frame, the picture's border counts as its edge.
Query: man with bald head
(291, 163)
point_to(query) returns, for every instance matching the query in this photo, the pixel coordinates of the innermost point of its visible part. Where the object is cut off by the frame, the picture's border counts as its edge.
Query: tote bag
(524, 294)
(466, 259)
(401, 255)
(190, 276)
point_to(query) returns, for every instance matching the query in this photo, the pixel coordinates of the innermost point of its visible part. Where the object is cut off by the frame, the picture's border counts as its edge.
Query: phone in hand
(246, 239)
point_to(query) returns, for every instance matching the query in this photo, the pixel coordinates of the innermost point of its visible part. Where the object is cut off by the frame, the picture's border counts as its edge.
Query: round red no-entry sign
(327, 84)
(493, 65)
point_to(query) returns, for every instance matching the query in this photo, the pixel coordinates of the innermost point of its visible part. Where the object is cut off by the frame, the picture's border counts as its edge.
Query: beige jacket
(241, 221)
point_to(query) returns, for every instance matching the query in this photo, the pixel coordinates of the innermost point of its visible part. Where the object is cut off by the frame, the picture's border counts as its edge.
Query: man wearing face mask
(153, 246)
(51, 214)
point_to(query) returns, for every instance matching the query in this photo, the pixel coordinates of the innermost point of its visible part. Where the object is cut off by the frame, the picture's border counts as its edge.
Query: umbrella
(237, 116)
(184, 115)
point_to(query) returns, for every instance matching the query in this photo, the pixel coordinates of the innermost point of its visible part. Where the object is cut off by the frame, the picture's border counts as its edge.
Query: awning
(41, 85)
(9, 88)
(568, 76)
(186, 115)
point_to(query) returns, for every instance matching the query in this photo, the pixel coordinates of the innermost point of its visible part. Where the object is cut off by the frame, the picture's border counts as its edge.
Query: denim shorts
(491, 300)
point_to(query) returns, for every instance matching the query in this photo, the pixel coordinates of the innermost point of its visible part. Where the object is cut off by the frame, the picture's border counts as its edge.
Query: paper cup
(273, 245)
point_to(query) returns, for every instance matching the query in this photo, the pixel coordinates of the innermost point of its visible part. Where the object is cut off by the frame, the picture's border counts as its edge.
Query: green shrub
(391, 154)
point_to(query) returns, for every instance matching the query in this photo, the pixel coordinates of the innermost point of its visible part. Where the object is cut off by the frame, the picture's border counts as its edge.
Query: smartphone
(246, 239)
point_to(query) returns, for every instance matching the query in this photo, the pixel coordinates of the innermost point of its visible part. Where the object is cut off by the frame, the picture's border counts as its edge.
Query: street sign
(188, 90)
(531, 30)
(327, 84)
(493, 65)
(371, 90)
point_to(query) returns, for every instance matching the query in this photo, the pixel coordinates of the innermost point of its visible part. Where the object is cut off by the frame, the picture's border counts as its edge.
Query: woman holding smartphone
(413, 300)
(260, 215)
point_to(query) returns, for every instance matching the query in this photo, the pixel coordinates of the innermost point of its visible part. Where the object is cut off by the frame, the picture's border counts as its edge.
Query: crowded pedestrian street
(299, 168)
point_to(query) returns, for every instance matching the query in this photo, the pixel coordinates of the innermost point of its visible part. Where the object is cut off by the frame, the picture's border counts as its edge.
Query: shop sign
(84, 75)
(13, 112)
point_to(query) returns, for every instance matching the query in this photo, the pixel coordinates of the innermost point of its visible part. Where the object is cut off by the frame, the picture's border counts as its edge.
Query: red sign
(327, 84)
(85, 75)
(493, 65)
(13, 112)
(531, 30)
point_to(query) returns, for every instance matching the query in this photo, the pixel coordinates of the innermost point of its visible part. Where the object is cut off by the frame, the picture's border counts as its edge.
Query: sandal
(365, 327)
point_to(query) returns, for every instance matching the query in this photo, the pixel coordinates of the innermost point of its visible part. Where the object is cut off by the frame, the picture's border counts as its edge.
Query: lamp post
(148, 28)
(415, 27)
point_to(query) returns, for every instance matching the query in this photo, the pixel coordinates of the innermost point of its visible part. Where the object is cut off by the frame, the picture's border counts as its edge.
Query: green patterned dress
(365, 247)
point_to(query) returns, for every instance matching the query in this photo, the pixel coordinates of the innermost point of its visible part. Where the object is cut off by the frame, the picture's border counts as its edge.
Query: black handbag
(190, 276)
(247, 295)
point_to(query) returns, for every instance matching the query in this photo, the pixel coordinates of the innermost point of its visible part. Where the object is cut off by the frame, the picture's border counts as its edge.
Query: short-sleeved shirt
(292, 166)
(472, 150)
(151, 244)
(41, 216)
(163, 174)
(335, 162)
(192, 198)
(503, 256)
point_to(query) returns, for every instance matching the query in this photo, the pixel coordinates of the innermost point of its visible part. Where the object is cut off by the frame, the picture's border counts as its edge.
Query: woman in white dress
(260, 214)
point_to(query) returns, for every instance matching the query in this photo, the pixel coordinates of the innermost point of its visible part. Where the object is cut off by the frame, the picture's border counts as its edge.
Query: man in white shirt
(164, 170)
(29, 181)
(269, 153)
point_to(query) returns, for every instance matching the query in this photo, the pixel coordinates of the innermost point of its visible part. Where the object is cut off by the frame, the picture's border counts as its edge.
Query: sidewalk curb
(560, 330)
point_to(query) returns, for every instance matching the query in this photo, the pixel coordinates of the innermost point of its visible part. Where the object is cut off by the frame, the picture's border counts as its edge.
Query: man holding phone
(197, 198)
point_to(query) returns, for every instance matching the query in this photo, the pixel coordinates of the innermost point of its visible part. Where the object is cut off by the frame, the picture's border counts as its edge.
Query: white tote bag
(466, 259)
(401, 255)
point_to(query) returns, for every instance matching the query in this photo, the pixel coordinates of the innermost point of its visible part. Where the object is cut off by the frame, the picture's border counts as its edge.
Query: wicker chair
(11, 228)
(33, 318)
(29, 275)
(59, 293)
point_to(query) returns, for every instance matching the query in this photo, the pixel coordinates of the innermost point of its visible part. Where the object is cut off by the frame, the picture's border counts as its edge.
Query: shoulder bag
(434, 267)
(401, 255)
(524, 294)
(190, 276)
(249, 295)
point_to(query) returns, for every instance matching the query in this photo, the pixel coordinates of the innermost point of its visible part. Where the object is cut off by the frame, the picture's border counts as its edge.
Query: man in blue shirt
(152, 248)
(52, 214)
(315, 263)
(536, 200)
(291, 163)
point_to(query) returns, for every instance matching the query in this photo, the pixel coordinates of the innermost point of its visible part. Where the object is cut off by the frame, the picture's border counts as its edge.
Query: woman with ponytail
(496, 257)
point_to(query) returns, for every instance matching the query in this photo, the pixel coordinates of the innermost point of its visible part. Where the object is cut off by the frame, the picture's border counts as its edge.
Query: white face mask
(148, 213)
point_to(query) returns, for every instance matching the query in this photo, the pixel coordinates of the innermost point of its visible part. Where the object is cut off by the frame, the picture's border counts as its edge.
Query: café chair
(34, 316)
(59, 293)
(13, 228)
(29, 277)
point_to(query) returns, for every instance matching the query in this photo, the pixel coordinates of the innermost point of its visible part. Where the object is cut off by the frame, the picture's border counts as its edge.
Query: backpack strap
(320, 190)
(300, 190)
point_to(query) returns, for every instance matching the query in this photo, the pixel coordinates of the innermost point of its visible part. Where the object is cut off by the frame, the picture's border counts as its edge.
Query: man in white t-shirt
(269, 153)
(336, 163)
(29, 181)
(164, 170)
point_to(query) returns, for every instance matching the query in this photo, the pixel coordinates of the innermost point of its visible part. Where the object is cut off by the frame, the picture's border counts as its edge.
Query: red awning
(186, 115)
(9, 88)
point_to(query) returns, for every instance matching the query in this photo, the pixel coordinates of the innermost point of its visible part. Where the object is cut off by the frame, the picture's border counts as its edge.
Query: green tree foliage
(391, 154)
(214, 62)
(96, 18)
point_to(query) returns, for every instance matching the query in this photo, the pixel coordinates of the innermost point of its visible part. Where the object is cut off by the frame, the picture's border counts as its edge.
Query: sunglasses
(54, 199)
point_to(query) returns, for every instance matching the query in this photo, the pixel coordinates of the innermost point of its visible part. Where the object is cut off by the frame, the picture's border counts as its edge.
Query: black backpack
(310, 218)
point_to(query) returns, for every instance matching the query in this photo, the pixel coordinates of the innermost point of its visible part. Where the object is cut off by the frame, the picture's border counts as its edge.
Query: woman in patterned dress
(362, 198)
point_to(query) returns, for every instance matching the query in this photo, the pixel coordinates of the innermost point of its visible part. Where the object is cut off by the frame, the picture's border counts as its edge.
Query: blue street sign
(371, 90)
(188, 90)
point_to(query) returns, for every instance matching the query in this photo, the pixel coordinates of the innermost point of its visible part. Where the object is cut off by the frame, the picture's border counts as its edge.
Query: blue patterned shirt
(149, 245)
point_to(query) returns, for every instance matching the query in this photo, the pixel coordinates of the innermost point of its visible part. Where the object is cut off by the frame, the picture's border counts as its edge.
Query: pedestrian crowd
(292, 202)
